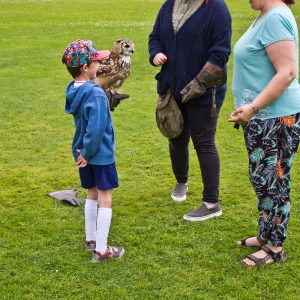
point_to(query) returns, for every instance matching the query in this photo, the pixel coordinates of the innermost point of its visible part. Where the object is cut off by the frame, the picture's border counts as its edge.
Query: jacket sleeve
(154, 44)
(220, 42)
(95, 112)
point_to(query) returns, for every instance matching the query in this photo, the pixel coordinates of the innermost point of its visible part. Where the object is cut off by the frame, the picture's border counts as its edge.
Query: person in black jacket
(190, 40)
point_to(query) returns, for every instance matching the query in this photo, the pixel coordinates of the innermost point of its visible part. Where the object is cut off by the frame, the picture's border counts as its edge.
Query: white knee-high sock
(103, 224)
(90, 214)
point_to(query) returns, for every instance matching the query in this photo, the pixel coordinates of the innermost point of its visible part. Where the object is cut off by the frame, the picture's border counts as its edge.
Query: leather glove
(114, 98)
(211, 76)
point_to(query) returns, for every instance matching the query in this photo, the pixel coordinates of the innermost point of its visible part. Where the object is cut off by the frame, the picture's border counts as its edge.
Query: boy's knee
(92, 194)
(105, 198)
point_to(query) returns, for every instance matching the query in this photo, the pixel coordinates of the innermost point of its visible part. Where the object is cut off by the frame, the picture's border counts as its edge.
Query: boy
(93, 145)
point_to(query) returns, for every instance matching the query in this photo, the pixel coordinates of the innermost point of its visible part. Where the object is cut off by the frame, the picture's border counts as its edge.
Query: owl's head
(123, 47)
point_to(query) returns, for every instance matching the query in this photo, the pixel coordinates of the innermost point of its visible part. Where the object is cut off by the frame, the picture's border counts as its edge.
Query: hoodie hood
(76, 96)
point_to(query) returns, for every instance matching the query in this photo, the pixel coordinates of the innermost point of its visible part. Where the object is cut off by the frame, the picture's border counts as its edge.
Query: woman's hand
(241, 115)
(159, 59)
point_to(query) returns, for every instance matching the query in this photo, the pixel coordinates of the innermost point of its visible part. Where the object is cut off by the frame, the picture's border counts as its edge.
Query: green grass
(41, 254)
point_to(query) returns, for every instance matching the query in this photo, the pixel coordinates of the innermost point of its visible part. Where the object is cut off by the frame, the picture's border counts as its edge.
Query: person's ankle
(103, 252)
(210, 205)
(275, 249)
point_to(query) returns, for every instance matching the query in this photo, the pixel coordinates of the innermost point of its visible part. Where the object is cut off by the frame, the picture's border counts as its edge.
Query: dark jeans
(201, 127)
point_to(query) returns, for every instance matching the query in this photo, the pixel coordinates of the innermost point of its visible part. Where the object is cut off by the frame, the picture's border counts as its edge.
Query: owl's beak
(132, 50)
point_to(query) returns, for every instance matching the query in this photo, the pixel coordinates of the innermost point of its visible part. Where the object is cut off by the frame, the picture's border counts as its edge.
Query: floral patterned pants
(271, 146)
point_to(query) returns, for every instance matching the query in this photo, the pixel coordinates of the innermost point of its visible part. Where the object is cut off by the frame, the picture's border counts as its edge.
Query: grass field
(41, 253)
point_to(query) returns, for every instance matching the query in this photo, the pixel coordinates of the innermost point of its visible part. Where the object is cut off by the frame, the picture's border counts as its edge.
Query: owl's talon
(114, 98)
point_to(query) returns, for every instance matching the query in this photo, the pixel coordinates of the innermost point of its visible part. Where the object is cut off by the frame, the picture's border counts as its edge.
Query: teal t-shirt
(253, 69)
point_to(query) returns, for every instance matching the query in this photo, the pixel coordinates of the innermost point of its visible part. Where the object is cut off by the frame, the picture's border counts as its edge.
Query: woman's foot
(267, 255)
(252, 241)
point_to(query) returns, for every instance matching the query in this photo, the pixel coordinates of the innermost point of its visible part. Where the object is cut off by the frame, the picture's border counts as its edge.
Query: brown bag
(168, 116)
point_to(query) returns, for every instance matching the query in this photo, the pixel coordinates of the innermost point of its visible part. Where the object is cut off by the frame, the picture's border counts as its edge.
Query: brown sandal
(277, 257)
(243, 242)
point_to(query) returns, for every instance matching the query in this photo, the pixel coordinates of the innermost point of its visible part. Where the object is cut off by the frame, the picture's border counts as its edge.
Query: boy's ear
(84, 68)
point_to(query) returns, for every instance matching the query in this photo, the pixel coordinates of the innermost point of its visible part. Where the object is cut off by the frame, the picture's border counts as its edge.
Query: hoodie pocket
(113, 133)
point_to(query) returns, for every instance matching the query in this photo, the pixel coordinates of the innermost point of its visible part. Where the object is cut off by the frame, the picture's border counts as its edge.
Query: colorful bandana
(82, 52)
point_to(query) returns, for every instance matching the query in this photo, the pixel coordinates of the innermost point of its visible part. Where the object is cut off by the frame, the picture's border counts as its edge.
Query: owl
(115, 68)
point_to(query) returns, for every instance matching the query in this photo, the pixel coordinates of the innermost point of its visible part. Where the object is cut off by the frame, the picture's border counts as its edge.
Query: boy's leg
(90, 213)
(104, 219)
(88, 182)
(107, 179)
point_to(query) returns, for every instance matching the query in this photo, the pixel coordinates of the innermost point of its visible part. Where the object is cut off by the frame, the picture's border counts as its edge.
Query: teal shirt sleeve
(277, 28)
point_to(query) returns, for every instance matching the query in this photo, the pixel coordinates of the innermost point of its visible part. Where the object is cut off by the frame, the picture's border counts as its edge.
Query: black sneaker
(203, 213)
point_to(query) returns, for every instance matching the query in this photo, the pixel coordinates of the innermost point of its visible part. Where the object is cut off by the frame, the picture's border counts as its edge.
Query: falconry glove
(114, 98)
(211, 76)
(66, 196)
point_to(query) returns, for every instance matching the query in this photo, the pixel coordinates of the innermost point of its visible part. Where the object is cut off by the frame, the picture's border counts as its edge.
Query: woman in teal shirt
(267, 101)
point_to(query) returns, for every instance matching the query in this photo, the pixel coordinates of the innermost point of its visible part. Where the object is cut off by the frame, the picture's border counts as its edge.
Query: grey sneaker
(203, 213)
(179, 192)
(90, 245)
(111, 252)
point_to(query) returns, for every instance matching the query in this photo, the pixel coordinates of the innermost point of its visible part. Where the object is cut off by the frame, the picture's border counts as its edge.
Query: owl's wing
(104, 70)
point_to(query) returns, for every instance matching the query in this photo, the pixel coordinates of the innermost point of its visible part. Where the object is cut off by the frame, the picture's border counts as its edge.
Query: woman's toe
(248, 262)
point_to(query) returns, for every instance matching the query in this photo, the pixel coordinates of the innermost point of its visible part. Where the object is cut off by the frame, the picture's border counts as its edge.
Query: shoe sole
(179, 199)
(200, 219)
(98, 261)
(89, 250)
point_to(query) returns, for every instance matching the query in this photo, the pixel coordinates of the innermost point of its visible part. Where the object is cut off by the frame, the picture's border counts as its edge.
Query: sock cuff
(105, 212)
(91, 203)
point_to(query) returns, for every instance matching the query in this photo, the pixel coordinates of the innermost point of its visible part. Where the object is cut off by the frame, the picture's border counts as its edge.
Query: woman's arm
(282, 54)
(220, 36)
(283, 57)
(154, 43)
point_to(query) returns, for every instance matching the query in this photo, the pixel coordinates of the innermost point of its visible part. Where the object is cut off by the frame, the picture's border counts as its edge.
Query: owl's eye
(126, 46)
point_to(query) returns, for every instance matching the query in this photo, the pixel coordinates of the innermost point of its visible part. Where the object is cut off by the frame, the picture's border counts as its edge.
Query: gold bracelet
(254, 108)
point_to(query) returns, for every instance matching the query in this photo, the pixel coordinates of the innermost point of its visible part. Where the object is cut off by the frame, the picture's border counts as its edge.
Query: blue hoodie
(94, 134)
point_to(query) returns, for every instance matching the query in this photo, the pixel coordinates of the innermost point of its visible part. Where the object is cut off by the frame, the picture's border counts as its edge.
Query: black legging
(201, 127)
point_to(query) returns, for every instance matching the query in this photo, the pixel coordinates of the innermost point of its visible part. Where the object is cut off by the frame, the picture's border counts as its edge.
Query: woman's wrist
(254, 108)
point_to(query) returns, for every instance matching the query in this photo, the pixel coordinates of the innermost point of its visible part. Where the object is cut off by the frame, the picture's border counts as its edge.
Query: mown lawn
(41, 253)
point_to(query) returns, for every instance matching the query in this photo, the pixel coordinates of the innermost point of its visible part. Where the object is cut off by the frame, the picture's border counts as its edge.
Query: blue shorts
(102, 177)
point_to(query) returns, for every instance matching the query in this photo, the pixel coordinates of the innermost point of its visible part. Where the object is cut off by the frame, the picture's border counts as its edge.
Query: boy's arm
(95, 112)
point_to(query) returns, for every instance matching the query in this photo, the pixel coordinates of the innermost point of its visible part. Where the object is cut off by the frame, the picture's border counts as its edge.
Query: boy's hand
(81, 162)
